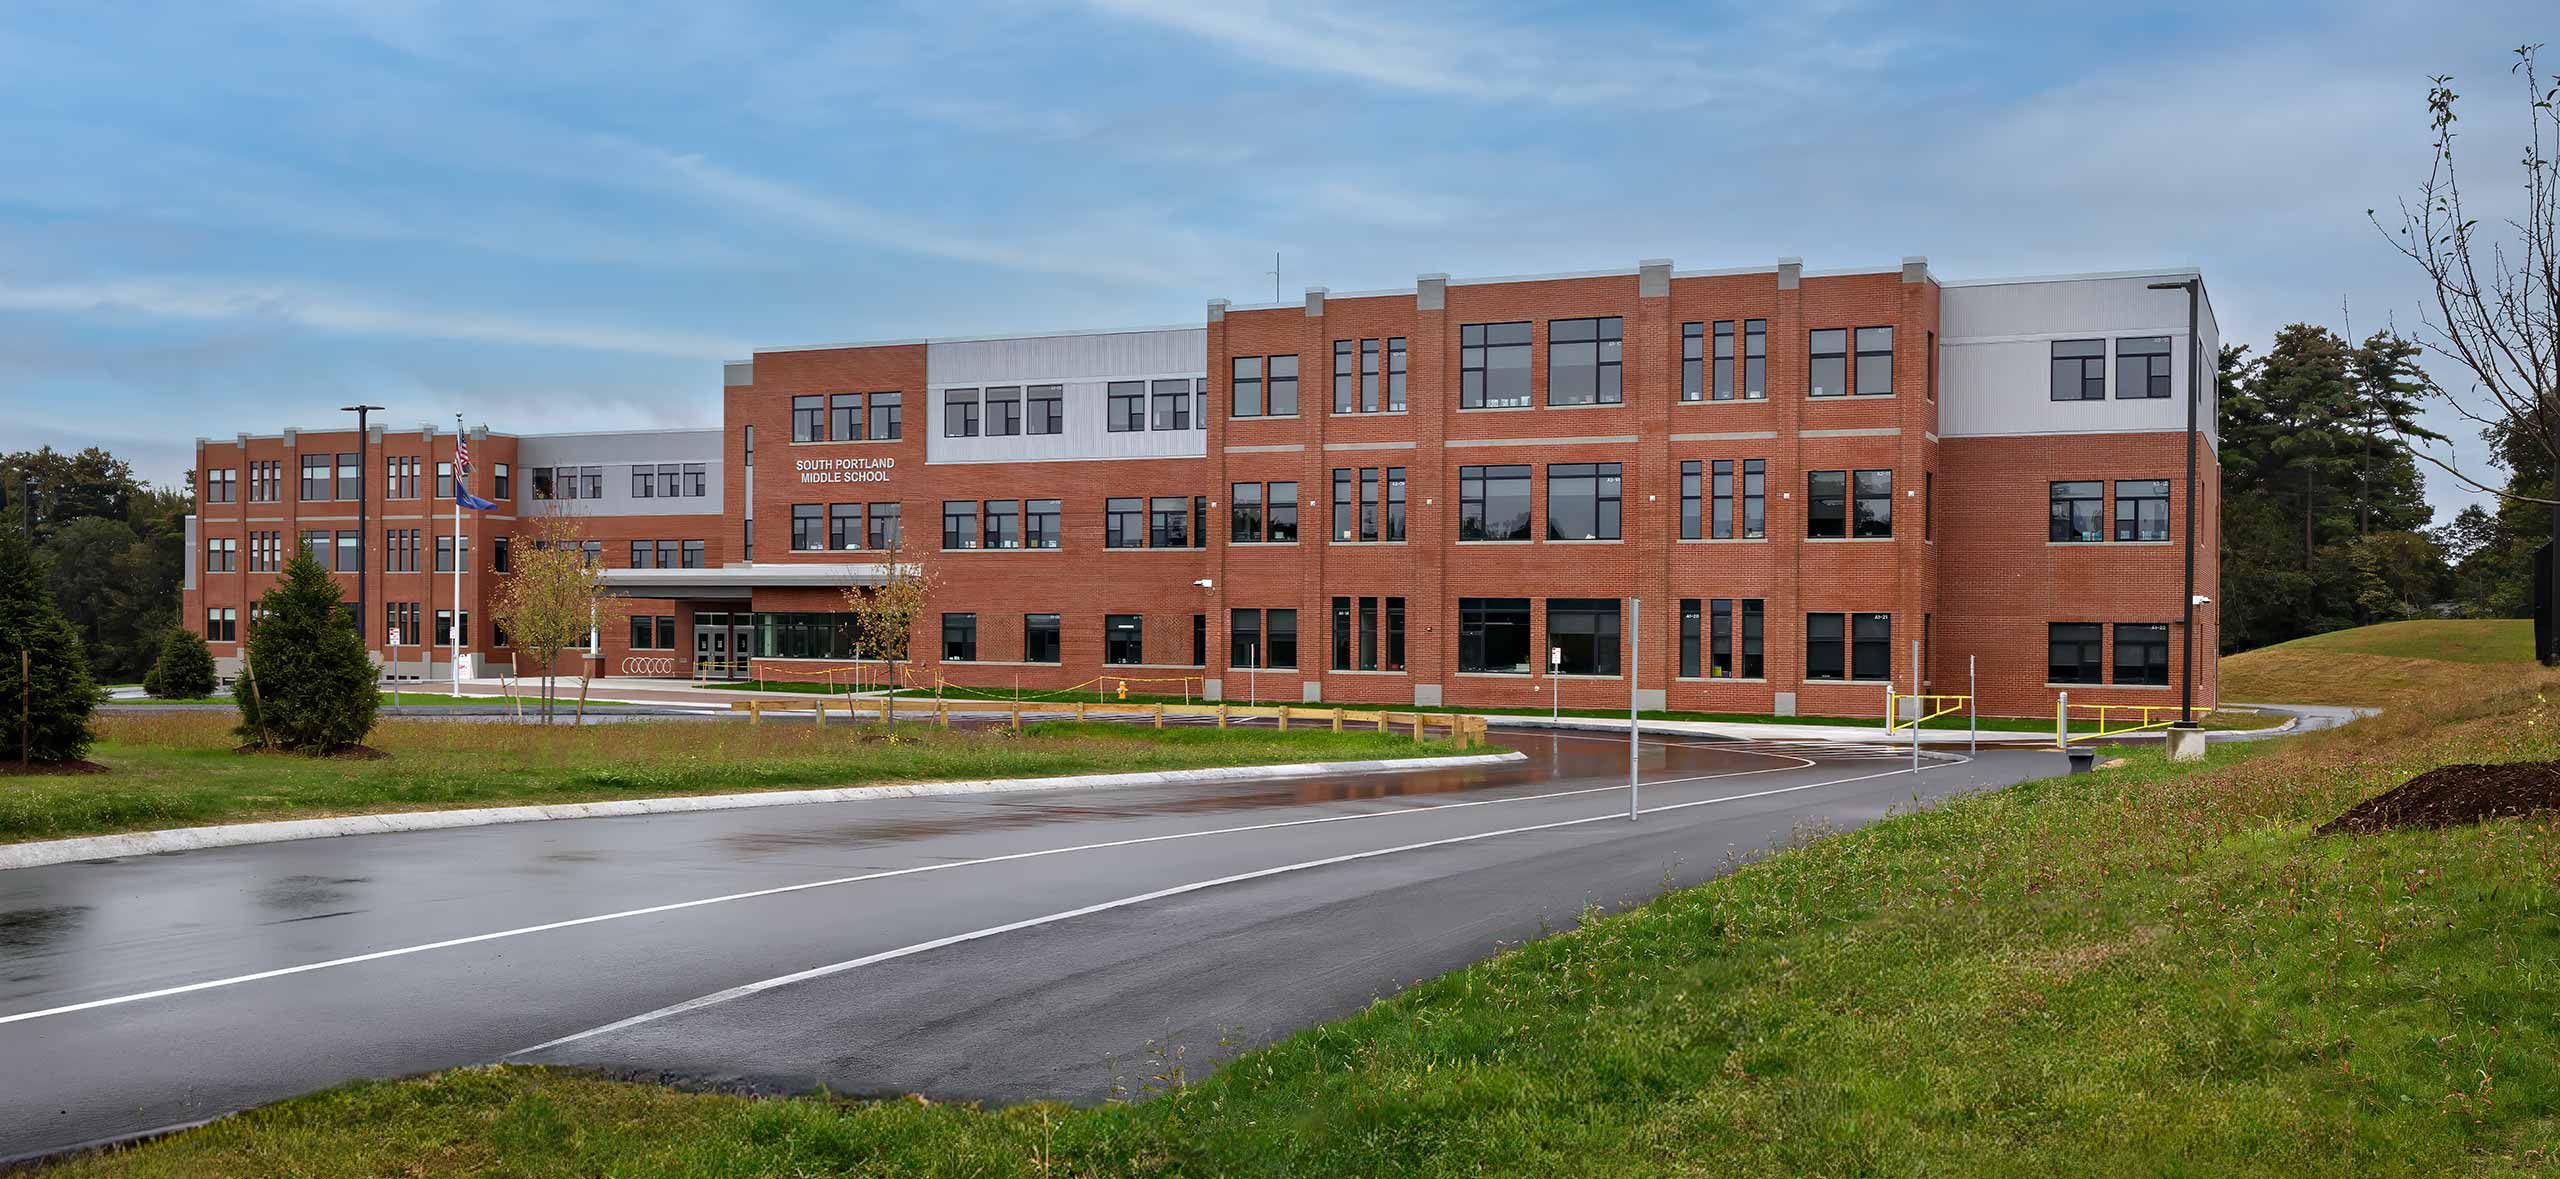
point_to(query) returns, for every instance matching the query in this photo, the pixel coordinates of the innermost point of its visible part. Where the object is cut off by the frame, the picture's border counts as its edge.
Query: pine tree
(184, 670)
(309, 685)
(57, 694)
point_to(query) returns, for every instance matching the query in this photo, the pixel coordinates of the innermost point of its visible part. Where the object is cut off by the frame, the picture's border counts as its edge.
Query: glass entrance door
(719, 646)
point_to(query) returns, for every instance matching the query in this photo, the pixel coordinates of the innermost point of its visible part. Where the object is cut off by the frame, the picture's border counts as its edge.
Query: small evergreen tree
(56, 692)
(184, 670)
(308, 684)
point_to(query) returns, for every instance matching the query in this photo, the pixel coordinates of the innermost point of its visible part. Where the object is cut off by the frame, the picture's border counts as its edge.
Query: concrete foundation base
(2186, 744)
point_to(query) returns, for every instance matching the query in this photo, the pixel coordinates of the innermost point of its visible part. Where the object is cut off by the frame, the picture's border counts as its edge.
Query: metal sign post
(392, 641)
(1635, 674)
(1555, 691)
(1919, 706)
(1972, 711)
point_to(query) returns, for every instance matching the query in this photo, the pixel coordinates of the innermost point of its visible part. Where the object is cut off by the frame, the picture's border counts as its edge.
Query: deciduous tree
(547, 602)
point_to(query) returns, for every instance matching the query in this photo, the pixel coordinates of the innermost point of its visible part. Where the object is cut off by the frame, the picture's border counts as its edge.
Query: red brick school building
(1454, 493)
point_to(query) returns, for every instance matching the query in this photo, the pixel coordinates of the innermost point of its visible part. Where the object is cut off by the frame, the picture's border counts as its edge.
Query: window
(1127, 407)
(221, 554)
(1875, 361)
(1493, 365)
(1875, 504)
(1693, 354)
(844, 416)
(1755, 498)
(1284, 386)
(1004, 523)
(497, 482)
(692, 557)
(591, 481)
(1004, 411)
(1689, 638)
(844, 526)
(2079, 370)
(542, 486)
(221, 485)
(882, 522)
(1723, 659)
(1172, 405)
(1342, 640)
(1124, 523)
(2142, 653)
(1826, 504)
(1246, 385)
(1044, 409)
(498, 549)
(960, 638)
(1244, 638)
(696, 480)
(1493, 503)
(447, 635)
(2074, 655)
(806, 521)
(1342, 503)
(315, 477)
(1040, 519)
(960, 413)
(1280, 638)
(1124, 639)
(1689, 499)
(1724, 499)
(1827, 366)
(1168, 522)
(808, 419)
(2142, 509)
(350, 476)
(1493, 635)
(1199, 640)
(1395, 503)
(1755, 359)
(1586, 631)
(2078, 506)
(445, 560)
(1395, 374)
(888, 422)
(400, 624)
(222, 625)
(644, 481)
(1583, 501)
(1199, 403)
(1344, 398)
(1723, 371)
(262, 482)
(640, 551)
(959, 523)
(1281, 508)
(1040, 638)
(1244, 513)
(1928, 505)
(1583, 357)
(1864, 652)
(1370, 504)
(1368, 376)
(2142, 367)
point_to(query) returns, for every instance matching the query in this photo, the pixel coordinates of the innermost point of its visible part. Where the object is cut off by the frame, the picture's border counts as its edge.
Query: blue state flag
(462, 495)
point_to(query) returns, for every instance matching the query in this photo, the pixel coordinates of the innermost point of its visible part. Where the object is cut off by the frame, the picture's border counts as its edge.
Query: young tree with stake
(884, 615)
(547, 604)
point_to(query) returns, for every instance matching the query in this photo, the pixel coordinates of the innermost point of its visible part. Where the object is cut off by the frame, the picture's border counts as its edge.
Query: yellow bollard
(1017, 717)
(1284, 718)
(1222, 716)
(1159, 716)
(1079, 710)
(1337, 720)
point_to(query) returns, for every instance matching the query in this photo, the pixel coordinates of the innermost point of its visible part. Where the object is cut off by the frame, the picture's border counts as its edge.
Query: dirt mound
(2451, 796)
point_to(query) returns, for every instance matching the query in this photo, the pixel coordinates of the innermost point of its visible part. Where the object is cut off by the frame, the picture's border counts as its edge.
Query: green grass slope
(2387, 665)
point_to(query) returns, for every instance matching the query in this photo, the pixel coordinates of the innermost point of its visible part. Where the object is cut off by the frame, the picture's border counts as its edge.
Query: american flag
(461, 451)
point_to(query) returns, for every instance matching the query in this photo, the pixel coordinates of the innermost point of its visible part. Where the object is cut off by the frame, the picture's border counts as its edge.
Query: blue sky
(242, 215)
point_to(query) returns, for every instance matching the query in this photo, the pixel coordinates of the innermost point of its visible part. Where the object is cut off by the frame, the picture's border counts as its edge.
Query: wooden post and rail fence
(1467, 731)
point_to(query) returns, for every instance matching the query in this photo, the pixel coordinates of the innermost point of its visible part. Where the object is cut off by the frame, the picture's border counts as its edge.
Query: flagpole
(458, 616)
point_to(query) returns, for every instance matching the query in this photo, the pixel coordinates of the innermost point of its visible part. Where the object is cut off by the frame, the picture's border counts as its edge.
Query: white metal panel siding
(616, 452)
(1049, 359)
(1086, 436)
(195, 553)
(1996, 355)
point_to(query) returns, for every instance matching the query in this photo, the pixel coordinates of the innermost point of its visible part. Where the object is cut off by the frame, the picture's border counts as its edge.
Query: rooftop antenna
(1275, 276)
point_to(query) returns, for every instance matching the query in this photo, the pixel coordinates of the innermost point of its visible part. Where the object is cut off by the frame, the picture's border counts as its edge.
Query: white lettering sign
(844, 470)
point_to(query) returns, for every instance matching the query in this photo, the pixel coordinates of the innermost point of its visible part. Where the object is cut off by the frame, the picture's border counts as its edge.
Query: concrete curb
(145, 843)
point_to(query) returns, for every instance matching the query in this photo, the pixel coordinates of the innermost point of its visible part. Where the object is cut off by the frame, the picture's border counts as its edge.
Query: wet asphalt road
(995, 947)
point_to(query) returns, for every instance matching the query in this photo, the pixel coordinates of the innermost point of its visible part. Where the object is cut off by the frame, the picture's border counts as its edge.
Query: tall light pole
(364, 499)
(2194, 287)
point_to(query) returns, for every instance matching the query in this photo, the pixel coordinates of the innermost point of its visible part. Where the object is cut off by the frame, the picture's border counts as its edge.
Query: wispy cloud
(343, 313)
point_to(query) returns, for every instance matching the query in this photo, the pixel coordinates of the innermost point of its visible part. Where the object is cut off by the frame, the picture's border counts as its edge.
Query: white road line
(739, 992)
(674, 906)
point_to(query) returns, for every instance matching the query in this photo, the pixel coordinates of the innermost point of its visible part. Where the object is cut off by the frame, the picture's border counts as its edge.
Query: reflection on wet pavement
(34, 929)
(304, 892)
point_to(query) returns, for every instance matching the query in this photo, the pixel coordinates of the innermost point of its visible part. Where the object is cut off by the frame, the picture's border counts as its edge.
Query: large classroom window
(960, 638)
(2078, 507)
(1583, 361)
(1875, 361)
(2142, 367)
(2142, 509)
(2079, 370)
(808, 527)
(1875, 504)
(1585, 630)
(959, 523)
(2074, 655)
(1125, 407)
(1827, 374)
(1583, 501)
(1493, 635)
(1493, 365)
(1124, 523)
(2142, 653)
(1493, 503)
(808, 419)
(1040, 638)
(1826, 504)
(1124, 639)
(1848, 646)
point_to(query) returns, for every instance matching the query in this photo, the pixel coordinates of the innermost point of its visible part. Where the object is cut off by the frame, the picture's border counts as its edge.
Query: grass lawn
(1990, 724)
(408, 698)
(2393, 664)
(178, 769)
(2150, 971)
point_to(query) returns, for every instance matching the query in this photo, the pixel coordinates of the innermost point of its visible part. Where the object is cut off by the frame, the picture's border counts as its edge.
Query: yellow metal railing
(1928, 708)
(2113, 720)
